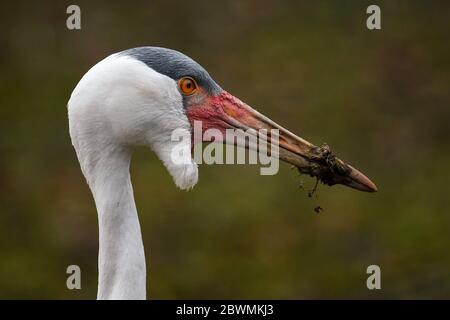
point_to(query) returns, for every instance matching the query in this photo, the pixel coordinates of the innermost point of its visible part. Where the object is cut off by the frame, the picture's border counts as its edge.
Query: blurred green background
(380, 99)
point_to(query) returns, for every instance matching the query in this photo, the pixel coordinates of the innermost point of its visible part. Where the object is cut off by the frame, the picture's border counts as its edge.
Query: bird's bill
(229, 112)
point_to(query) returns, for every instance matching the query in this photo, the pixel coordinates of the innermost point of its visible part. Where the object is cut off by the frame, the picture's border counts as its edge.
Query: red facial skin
(220, 112)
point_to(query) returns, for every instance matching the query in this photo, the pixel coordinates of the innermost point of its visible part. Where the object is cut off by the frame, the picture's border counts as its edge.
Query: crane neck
(121, 260)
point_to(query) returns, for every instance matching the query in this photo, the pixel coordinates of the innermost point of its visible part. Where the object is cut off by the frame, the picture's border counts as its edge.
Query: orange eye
(187, 85)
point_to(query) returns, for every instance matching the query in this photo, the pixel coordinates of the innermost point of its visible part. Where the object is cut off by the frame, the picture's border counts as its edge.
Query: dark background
(380, 99)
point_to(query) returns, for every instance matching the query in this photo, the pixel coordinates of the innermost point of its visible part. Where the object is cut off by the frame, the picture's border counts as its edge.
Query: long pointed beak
(315, 161)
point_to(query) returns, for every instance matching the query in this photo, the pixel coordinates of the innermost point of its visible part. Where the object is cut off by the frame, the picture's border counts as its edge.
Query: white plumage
(118, 104)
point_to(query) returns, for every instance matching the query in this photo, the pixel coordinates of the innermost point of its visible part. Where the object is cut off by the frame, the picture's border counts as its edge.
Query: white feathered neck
(118, 104)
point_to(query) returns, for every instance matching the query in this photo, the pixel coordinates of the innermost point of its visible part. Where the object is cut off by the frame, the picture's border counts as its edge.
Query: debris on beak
(330, 170)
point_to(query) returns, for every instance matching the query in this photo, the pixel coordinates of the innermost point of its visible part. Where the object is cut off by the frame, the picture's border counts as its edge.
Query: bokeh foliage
(380, 99)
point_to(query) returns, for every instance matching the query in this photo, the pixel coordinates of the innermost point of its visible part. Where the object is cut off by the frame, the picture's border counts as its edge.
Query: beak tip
(374, 188)
(360, 182)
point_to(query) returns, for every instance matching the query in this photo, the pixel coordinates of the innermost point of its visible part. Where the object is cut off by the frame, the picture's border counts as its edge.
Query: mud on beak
(320, 162)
